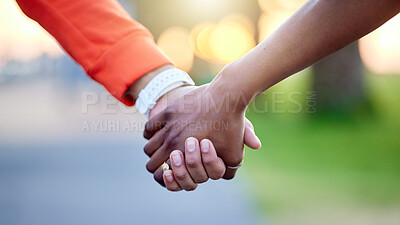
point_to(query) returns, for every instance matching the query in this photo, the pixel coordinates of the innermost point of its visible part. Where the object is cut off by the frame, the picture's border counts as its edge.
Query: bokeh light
(200, 40)
(380, 50)
(55, 165)
(273, 5)
(292, 5)
(224, 42)
(207, 5)
(269, 22)
(230, 41)
(20, 37)
(175, 43)
(269, 5)
(275, 13)
(241, 19)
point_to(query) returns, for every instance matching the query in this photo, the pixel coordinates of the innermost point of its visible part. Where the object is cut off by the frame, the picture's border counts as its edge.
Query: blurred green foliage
(310, 161)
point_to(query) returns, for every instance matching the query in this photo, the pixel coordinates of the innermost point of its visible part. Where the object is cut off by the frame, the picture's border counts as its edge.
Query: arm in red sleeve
(112, 48)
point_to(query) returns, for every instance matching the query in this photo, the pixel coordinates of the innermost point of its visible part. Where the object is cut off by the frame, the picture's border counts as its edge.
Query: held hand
(203, 113)
(198, 163)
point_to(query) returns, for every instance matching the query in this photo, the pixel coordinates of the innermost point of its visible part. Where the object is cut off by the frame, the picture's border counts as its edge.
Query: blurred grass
(310, 162)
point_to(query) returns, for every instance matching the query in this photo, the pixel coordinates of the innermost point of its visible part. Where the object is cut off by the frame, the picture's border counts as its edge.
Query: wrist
(168, 98)
(229, 86)
(164, 82)
(142, 82)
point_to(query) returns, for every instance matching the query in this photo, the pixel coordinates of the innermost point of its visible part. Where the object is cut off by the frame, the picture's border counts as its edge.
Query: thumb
(250, 138)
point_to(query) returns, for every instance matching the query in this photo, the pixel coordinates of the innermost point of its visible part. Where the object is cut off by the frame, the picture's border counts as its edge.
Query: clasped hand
(186, 116)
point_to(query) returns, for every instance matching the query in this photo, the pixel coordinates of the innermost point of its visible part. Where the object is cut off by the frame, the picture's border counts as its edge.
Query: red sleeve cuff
(125, 62)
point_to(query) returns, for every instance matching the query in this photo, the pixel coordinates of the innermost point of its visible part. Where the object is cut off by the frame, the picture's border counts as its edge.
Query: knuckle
(221, 172)
(228, 177)
(173, 189)
(209, 160)
(218, 175)
(169, 112)
(147, 149)
(234, 161)
(192, 162)
(146, 134)
(215, 177)
(166, 149)
(191, 188)
(147, 126)
(150, 167)
(201, 180)
(159, 179)
(180, 175)
(168, 139)
(174, 141)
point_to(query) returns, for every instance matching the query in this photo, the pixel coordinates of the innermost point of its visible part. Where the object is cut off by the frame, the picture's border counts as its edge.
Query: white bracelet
(159, 86)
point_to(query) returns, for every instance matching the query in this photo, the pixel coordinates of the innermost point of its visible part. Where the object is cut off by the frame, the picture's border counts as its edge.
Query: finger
(158, 175)
(158, 158)
(214, 165)
(154, 125)
(155, 142)
(162, 154)
(250, 138)
(247, 122)
(170, 181)
(181, 174)
(193, 161)
(229, 174)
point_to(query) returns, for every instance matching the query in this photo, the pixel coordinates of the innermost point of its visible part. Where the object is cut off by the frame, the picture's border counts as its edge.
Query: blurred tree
(160, 15)
(338, 82)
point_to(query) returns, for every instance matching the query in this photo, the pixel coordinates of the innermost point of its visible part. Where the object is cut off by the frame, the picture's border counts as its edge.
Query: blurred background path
(70, 154)
(51, 172)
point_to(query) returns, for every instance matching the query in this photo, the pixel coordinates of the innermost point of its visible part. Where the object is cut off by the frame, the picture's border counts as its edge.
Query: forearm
(112, 48)
(315, 31)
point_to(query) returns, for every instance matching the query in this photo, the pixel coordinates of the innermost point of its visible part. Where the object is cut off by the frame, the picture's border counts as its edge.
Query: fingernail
(258, 139)
(169, 177)
(191, 145)
(205, 146)
(176, 157)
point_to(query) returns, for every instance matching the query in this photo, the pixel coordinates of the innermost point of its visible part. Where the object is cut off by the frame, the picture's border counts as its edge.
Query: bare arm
(315, 31)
